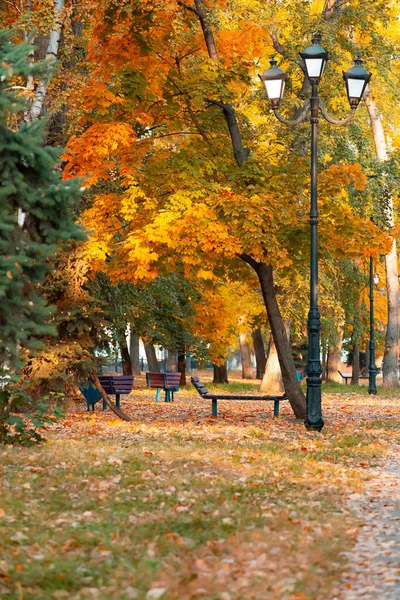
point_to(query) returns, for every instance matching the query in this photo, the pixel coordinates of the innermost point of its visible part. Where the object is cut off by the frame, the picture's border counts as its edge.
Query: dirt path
(375, 559)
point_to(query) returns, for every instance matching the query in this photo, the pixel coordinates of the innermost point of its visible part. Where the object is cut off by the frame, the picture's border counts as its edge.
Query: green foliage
(161, 311)
(35, 212)
(25, 429)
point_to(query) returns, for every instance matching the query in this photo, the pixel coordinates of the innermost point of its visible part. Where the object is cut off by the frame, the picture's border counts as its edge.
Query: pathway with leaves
(375, 559)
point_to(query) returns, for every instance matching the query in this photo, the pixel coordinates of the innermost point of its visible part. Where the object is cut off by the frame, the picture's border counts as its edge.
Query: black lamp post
(356, 78)
(372, 370)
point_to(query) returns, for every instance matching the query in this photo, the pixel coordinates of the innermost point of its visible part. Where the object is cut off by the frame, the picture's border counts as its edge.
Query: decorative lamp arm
(334, 121)
(300, 119)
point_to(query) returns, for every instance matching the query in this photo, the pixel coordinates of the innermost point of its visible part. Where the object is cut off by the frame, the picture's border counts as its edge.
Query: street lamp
(356, 78)
(372, 370)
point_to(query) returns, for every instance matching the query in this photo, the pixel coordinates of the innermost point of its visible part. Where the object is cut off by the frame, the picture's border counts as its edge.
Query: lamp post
(356, 78)
(372, 370)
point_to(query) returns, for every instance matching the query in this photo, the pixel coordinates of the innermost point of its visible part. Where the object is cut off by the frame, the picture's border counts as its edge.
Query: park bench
(199, 386)
(112, 385)
(169, 382)
(347, 376)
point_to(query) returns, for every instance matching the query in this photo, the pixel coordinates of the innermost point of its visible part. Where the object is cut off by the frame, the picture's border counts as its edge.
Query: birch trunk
(333, 361)
(51, 56)
(272, 382)
(391, 354)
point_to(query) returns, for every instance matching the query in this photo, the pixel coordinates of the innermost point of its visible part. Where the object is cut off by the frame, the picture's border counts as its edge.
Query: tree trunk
(334, 359)
(171, 361)
(182, 367)
(391, 354)
(120, 413)
(292, 385)
(247, 368)
(126, 359)
(188, 364)
(356, 364)
(152, 361)
(272, 382)
(259, 351)
(51, 57)
(220, 374)
(134, 352)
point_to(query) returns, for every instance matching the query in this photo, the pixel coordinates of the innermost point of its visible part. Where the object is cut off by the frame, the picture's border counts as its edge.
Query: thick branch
(241, 154)
(120, 413)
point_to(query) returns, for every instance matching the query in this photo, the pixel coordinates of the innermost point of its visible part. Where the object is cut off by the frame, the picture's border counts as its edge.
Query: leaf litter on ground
(179, 504)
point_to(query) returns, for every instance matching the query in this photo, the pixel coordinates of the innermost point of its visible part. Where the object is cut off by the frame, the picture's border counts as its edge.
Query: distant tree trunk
(171, 361)
(272, 382)
(247, 368)
(292, 385)
(152, 361)
(134, 352)
(259, 351)
(126, 359)
(334, 358)
(220, 374)
(391, 355)
(356, 364)
(188, 362)
(182, 367)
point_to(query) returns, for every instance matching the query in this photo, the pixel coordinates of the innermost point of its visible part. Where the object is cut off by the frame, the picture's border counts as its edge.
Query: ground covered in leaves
(180, 505)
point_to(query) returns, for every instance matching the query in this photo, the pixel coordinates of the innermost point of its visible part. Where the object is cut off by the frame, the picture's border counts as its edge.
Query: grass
(239, 507)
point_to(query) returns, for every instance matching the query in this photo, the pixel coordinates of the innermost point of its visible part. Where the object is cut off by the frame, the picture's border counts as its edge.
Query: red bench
(169, 382)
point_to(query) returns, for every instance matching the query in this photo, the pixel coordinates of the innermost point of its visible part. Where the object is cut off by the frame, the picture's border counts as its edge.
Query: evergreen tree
(35, 211)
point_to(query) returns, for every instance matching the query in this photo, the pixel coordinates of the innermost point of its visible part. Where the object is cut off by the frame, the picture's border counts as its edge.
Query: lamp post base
(314, 425)
(313, 420)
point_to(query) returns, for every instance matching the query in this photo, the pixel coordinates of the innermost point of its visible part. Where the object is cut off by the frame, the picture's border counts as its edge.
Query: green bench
(204, 393)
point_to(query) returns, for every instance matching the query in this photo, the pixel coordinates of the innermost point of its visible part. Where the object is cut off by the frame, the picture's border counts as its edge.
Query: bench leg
(158, 395)
(214, 408)
(167, 396)
(276, 408)
(104, 405)
(118, 400)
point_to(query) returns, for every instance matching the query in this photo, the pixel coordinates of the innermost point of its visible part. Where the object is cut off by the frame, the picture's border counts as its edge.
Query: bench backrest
(117, 384)
(164, 380)
(155, 379)
(172, 379)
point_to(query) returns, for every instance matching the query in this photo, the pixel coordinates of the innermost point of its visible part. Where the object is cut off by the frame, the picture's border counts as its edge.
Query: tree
(157, 150)
(36, 212)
